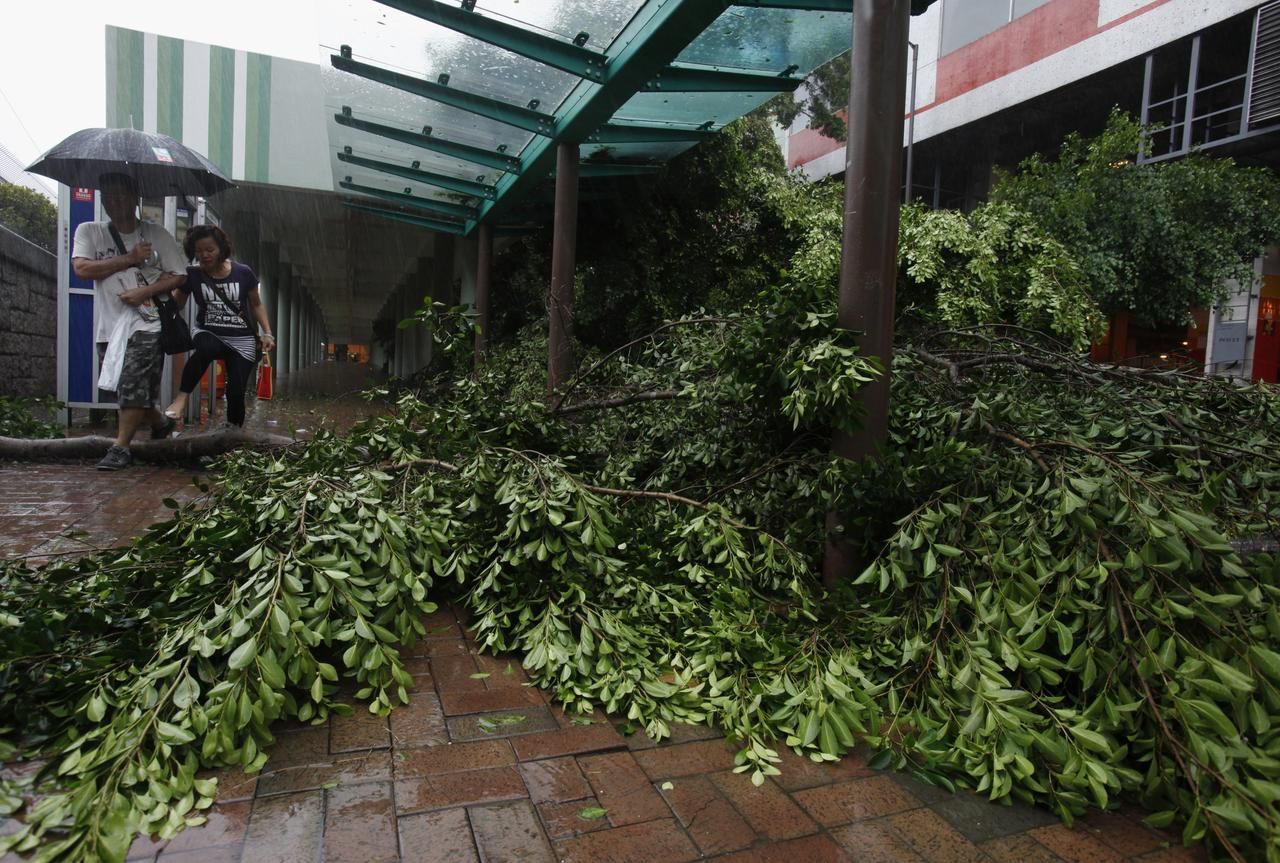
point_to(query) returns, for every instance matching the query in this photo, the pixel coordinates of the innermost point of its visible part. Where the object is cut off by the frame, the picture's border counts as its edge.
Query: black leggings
(209, 348)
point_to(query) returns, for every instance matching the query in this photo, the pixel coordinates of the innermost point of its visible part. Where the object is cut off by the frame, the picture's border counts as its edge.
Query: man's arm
(167, 282)
(96, 271)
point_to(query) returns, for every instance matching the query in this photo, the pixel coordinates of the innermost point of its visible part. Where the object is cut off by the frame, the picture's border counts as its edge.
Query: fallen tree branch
(1018, 442)
(613, 353)
(602, 404)
(179, 449)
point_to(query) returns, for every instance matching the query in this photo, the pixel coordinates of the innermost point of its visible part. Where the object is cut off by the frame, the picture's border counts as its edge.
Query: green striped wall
(257, 138)
(222, 89)
(124, 78)
(169, 86)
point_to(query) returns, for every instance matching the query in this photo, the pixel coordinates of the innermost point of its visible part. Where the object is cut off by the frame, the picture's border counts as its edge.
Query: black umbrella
(158, 164)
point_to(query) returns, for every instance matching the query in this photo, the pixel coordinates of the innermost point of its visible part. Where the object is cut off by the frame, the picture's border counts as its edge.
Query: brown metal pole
(563, 247)
(869, 252)
(484, 281)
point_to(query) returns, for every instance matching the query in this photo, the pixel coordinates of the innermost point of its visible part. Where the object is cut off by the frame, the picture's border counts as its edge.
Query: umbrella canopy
(158, 164)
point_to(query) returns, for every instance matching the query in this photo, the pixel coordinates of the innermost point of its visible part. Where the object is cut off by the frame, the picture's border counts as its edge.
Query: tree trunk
(179, 449)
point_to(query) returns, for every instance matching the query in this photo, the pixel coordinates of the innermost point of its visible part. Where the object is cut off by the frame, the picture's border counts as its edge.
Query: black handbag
(175, 335)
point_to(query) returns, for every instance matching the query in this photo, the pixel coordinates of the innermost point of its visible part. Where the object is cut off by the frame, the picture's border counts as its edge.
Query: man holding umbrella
(129, 262)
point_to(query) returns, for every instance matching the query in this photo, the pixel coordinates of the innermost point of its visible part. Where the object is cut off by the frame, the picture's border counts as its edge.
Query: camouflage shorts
(139, 385)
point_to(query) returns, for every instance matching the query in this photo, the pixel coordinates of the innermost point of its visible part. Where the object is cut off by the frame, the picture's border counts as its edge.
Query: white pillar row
(295, 326)
(284, 310)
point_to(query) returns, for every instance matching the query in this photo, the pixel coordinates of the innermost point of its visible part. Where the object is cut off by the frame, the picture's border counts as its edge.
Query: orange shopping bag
(265, 381)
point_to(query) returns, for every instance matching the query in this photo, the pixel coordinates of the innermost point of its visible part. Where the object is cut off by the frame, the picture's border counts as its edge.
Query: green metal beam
(504, 112)
(917, 6)
(453, 184)
(629, 133)
(614, 169)
(488, 158)
(652, 39)
(394, 215)
(567, 56)
(799, 5)
(443, 208)
(688, 78)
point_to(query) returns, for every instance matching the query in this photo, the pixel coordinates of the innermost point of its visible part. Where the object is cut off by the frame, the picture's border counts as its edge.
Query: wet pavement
(480, 766)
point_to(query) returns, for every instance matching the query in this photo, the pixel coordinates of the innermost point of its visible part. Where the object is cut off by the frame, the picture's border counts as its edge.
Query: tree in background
(29, 214)
(1152, 239)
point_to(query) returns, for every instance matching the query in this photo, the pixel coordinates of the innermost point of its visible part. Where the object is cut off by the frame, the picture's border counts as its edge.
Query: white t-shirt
(94, 241)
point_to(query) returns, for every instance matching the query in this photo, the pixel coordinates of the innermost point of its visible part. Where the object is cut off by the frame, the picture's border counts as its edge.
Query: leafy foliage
(18, 417)
(1057, 603)
(29, 214)
(1152, 239)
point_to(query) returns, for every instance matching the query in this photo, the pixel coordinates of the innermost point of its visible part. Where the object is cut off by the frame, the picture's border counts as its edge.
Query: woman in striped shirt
(226, 294)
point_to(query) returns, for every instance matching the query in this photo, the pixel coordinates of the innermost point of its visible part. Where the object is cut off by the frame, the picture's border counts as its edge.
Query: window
(965, 21)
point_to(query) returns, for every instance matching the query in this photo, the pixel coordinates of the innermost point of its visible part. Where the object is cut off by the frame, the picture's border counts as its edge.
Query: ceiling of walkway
(453, 112)
(348, 260)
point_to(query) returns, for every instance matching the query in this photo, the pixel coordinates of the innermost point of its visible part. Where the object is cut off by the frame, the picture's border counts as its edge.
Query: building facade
(993, 81)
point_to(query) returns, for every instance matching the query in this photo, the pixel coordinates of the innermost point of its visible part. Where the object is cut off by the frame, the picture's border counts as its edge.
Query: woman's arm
(260, 313)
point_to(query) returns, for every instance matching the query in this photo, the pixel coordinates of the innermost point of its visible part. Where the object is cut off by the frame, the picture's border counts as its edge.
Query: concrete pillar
(408, 341)
(269, 287)
(284, 310)
(444, 286)
(295, 317)
(424, 285)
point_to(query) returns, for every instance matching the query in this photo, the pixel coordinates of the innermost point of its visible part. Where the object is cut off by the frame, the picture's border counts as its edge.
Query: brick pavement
(480, 766)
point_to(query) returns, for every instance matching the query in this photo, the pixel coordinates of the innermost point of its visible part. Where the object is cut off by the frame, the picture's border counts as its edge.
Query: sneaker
(164, 430)
(116, 458)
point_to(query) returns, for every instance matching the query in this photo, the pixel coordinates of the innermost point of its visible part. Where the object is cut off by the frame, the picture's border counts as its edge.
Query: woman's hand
(268, 342)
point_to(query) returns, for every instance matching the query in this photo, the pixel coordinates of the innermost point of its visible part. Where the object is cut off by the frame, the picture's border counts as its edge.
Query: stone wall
(28, 318)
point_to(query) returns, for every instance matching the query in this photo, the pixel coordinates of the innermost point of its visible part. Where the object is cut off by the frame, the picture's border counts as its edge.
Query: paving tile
(507, 698)
(1126, 835)
(502, 723)
(419, 667)
(809, 849)
(767, 808)
(221, 854)
(505, 672)
(296, 748)
(565, 819)
(420, 722)
(876, 842)
(233, 783)
(456, 674)
(1075, 846)
(1176, 853)
(452, 758)
(929, 795)
(350, 769)
(623, 788)
(437, 837)
(1019, 848)
(442, 624)
(854, 800)
(554, 780)
(288, 828)
(799, 772)
(649, 842)
(567, 741)
(509, 833)
(448, 790)
(360, 825)
(687, 759)
(360, 730)
(708, 818)
(934, 839)
(227, 825)
(681, 732)
(980, 819)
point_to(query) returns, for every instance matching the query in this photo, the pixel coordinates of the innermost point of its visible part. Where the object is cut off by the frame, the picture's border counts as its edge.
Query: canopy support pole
(484, 282)
(563, 249)
(869, 249)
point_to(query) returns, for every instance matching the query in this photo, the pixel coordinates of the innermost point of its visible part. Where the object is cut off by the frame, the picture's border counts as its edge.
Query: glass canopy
(450, 114)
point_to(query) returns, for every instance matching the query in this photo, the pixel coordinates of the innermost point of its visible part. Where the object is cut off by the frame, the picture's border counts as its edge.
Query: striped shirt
(221, 319)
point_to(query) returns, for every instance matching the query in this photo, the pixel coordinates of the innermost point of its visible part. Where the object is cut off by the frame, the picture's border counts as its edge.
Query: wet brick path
(480, 768)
